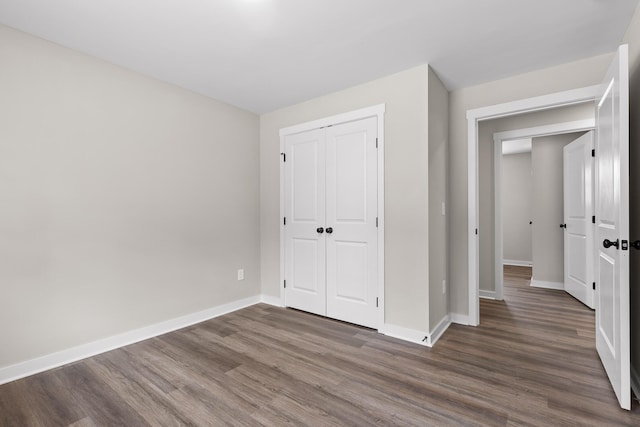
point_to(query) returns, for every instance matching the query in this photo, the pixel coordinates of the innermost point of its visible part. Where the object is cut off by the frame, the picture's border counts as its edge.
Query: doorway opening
(474, 119)
(529, 203)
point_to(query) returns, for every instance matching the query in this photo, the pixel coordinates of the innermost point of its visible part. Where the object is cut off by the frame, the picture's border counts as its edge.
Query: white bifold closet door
(331, 221)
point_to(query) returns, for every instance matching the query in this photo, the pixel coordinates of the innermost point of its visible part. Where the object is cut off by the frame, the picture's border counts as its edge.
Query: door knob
(320, 230)
(329, 230)
(608, 243)
(563, 225)
(636, 244)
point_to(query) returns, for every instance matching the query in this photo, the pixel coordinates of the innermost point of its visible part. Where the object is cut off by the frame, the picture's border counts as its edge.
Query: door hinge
(593, 219)
(376, 301)
(376, 142)
(594, 286)
(284, 221)
(285, 284)
(476, 231)
(376, 222)
(284, 156)
(593, 152)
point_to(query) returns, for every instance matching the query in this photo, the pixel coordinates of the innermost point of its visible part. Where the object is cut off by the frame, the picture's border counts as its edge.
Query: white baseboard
(517, 263)
(60, 358)
(635, 382)
(406, 334)
(487, 294)
(547, 285)
(268, 299)
(459, 319)
(440, 329)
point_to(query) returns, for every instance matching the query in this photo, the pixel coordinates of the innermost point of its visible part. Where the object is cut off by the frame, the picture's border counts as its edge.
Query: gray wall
(572, 75)
(486, 131)
(548, 206)
(125, 201)
(632, 37)
(438, 142)
(406, 187)
(516, 207)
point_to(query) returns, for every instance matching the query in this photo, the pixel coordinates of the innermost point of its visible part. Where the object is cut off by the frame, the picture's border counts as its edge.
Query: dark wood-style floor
(530, 362)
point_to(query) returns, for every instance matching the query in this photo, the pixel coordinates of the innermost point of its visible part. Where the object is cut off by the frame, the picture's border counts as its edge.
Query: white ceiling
(261, 55)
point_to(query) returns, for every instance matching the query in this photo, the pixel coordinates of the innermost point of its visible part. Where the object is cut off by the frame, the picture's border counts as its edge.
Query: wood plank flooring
(531, 362)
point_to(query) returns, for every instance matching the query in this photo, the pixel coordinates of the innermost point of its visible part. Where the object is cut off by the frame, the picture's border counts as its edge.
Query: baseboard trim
(635, 382)
(406, 334)
(517, 263)
(459, 319)
(487, 294)
(271, 300)
(547, 285)
(64, 357)
(439, 330)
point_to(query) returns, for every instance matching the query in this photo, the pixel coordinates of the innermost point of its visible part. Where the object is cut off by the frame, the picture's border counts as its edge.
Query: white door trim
(474, 116)
(498, 139)
(374, 111)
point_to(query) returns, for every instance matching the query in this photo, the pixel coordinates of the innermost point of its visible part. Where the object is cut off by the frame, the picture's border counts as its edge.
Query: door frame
(474, 117)
(498, 139)
(363, 113)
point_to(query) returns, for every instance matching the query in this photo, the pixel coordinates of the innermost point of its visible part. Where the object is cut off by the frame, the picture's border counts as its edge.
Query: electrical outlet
(444, 286)
(241, 274)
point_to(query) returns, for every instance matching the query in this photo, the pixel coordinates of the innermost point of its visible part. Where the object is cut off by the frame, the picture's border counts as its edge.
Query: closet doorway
(331, 224)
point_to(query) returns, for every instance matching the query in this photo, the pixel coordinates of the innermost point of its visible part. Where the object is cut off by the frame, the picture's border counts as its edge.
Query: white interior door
(578, 229)
(352, 249)
(612, 226)
(305, 247)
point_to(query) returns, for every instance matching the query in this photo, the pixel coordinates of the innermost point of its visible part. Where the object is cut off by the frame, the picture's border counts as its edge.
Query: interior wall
(486, 130)
(632, 37)
(406, 187)
(125, 201)
(568, 76)
(548, 207)
(438, 142)
(516, 208)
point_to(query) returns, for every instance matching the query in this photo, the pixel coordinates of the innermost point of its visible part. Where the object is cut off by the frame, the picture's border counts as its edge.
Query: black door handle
(320, 230)
(329, 230)
(563, 225)
(636, 244)
(608, 243)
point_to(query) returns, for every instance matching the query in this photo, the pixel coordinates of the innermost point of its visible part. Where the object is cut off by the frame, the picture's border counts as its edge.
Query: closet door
(305, 245)
(351, 211)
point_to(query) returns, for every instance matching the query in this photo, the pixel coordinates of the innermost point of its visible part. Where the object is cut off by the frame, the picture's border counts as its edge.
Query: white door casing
(578, 228)
(305, 248)
(330, 238)
(474, 117)
(612, 226)
(499, 138)
(351, 211)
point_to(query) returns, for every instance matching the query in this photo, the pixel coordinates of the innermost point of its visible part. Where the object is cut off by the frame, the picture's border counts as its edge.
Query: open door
(578, 208)
(612, 226)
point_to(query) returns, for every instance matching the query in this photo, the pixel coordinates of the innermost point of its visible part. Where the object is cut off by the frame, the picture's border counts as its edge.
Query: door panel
(305, 255)
(352, 249)
(305, 248)
(612, 223)
(351, 271)
(578, 234)
(304, 159)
